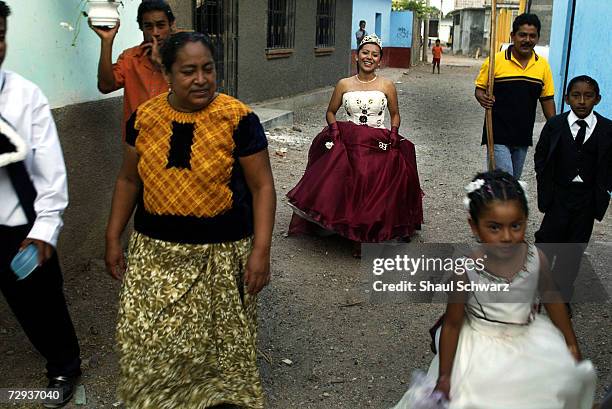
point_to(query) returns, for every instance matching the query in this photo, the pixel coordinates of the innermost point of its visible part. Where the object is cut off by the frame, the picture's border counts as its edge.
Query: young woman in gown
(361, 181)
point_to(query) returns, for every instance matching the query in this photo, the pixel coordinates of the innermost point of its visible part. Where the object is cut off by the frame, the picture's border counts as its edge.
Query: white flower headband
(478, 184)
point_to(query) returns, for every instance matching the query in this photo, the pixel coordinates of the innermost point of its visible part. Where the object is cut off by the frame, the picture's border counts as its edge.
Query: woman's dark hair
(498, 185)
(526, 18)
(362, 22)
(177, 41)
(5, 10)
(154, 5)
(361, 46)
(582, 78)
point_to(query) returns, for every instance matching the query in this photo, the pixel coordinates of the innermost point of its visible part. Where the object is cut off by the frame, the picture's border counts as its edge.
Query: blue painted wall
(589, 54)
(401, 29)
(366, 10)
(39, 49)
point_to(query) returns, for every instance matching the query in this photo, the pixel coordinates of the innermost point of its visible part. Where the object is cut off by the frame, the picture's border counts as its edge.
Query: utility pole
(415, 54)
(426, 34)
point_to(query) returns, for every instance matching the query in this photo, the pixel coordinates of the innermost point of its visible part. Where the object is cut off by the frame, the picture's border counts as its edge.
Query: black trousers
(40, 307)
(569, 225)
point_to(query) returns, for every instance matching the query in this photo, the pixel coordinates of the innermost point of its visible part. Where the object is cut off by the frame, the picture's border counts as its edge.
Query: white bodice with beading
(365, 107)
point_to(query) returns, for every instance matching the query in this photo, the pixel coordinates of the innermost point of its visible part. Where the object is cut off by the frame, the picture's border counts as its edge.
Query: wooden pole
(492, 51)
(426, 34)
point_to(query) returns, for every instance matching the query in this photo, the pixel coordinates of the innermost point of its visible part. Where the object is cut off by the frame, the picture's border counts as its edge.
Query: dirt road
(322, 343)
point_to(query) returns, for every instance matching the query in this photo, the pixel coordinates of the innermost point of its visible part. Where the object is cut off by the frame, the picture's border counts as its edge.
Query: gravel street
(322, 343)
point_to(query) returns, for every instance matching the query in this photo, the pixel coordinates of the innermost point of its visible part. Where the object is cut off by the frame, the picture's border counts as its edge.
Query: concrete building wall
(462, 4)
(470, 32)
(590, 20)
(543, 9)
(40, 49)
(487, 3)
(183, 12)
(445, 30)
(260, 78)
(367, 10)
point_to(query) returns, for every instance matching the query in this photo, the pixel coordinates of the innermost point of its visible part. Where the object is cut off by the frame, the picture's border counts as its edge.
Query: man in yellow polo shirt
(521, 79)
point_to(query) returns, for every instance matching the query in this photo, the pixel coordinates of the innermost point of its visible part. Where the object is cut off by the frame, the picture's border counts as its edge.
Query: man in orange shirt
(138, 69)
(436, 51)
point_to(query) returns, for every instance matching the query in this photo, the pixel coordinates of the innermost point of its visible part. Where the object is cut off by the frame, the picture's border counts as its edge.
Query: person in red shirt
(436, 51)
(138, 69)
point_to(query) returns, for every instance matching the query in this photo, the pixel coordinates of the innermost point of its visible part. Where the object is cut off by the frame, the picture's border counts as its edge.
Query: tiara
(371, 39)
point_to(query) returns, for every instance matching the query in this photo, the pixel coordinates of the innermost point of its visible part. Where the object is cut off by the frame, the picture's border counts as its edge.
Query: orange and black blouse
(194, 189)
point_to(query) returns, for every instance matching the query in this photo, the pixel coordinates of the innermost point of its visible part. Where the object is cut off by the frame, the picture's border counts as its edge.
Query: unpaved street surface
(322, 343)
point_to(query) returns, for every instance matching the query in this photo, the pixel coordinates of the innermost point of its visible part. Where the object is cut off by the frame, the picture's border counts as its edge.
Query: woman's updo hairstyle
(487, 187)
(177, 41)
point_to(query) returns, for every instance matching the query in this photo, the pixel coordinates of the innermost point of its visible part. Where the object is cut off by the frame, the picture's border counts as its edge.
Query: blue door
(378, 24)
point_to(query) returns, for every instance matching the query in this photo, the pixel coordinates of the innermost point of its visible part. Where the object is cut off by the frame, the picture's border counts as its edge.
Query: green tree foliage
(416, 6)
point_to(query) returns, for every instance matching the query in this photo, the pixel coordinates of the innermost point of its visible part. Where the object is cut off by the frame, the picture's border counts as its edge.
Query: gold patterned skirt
(187, 328)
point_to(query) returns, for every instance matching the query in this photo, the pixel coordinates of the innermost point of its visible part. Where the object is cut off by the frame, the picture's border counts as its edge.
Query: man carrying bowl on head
(34, 195)
(138, 69)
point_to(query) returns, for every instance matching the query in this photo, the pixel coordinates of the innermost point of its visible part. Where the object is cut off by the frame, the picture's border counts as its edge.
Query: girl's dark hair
(526, 18)
(379, 47)
(498, 185)
(154, 5)
(5, 10)
(583, 78)
(177, 41)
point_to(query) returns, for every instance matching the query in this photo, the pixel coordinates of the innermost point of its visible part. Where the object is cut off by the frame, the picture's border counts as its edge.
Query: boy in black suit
(573, 164)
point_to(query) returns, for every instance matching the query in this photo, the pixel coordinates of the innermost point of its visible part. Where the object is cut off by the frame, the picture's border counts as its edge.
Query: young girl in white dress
(494, 350)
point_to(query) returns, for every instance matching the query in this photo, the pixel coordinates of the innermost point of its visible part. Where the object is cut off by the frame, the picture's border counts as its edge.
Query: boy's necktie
(581, 133)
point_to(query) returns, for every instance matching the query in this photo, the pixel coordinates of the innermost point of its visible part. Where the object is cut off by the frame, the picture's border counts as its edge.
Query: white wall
(446, 6)
(40, 50)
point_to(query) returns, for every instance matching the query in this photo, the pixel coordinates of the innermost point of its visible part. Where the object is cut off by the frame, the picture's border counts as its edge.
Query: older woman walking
(197, 171)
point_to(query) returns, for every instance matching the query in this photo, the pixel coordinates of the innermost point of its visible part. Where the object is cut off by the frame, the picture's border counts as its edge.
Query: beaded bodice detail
(365, 107)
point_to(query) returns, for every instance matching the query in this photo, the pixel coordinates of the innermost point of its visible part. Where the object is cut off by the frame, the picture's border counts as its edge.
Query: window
(433, 28)
(281, 23)
(326, 23)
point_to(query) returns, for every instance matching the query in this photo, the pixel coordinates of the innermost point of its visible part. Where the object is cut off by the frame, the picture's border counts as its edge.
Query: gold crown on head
(371, 39)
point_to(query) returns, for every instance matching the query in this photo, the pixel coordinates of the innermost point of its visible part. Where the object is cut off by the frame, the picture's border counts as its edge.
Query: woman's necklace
(366, 82)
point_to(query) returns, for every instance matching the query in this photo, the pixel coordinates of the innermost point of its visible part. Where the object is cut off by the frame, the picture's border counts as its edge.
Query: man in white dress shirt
(34, 195)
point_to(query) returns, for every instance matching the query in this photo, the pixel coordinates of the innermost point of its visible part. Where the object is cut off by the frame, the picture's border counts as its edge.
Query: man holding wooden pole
(519, 78)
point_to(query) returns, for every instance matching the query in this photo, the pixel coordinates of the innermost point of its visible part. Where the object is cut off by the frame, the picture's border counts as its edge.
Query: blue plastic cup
(25, 261)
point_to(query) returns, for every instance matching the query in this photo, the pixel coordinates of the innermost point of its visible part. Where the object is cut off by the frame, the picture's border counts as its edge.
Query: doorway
(378, 24)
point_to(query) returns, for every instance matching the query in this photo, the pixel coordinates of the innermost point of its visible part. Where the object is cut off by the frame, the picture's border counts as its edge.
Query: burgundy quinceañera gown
(362, 184)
